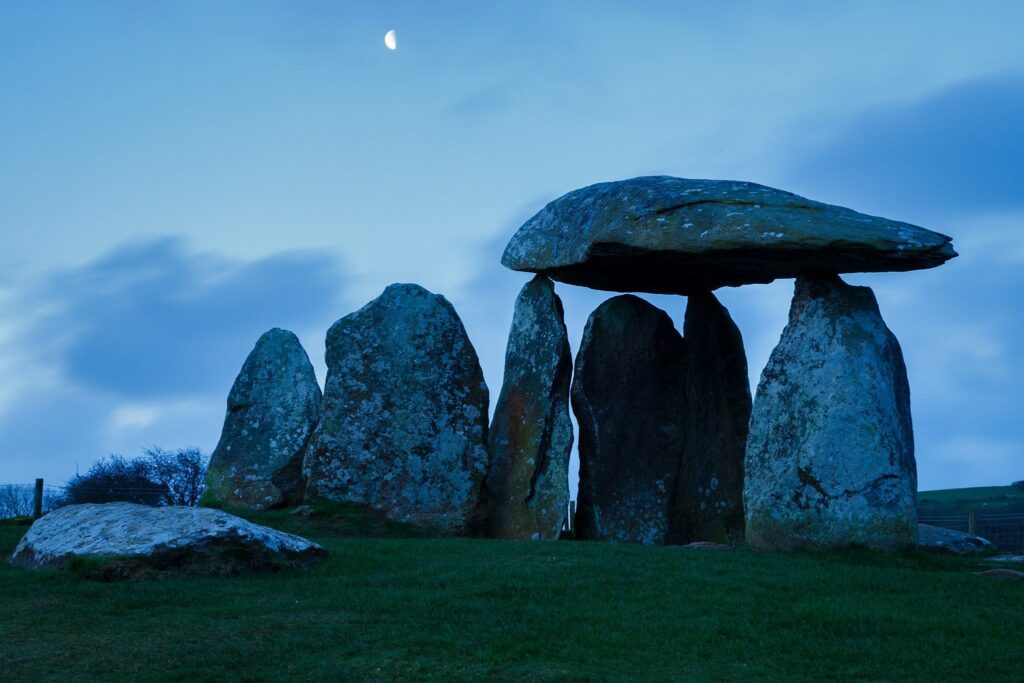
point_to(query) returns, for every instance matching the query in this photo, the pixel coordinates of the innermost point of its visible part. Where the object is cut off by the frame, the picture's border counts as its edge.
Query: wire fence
(19, 500)
(1004, 529)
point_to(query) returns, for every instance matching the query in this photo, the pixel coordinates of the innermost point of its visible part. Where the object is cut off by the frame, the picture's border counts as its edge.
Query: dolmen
(671, 447)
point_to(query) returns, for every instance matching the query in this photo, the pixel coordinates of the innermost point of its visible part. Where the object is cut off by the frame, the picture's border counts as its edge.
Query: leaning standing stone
(629, 397)
(830, 456)
(273, 408)
(531, 434)
(709, 496)
(404, 428)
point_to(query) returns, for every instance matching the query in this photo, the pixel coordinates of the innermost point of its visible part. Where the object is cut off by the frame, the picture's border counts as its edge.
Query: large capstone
(709, 494)
(629, 397)
(404, 427)
(531, 434)
(679, 236)
(273, 408)
(165, 538)
(830, 455)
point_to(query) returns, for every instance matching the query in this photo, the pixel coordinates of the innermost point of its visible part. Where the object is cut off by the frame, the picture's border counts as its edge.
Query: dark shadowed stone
(830, 456)
(531, 434)
(680, 236)
(629, 396)
(709, 494)
(273, 407)
(404, 428)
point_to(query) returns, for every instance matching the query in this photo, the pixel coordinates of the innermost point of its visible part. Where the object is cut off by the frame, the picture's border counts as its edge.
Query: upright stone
(709, 496)
(830, 456)
(629, 397)
(531, 434)
(404, 428)
(273, 408)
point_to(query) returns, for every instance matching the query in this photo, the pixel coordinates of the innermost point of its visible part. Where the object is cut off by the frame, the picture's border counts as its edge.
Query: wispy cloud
(143, 343)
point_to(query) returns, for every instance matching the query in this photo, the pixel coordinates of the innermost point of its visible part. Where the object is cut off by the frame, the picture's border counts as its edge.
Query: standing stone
(531, 434)
(709, 495)
(830, 456)
(404, 428)
(629, 397)
(273, 408)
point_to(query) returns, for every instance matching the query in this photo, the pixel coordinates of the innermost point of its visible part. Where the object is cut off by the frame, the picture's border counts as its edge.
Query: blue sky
(177, 177)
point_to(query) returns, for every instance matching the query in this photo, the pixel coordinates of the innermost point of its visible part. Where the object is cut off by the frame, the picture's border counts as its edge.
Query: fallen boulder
(404, 426)
(936, 539)
(160, 538)
(830, 454)
(273, 408)
(629, 397)
(531, 434)
(679, 236)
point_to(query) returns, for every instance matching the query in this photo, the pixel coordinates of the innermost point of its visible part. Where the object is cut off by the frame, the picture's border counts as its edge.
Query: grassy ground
(460, 609)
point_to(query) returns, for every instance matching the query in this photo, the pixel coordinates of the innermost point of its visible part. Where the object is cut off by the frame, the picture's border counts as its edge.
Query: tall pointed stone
(531, 434)
(404, 428)
(629, 397)
(830, 456)
(709, 496)
(273, 409)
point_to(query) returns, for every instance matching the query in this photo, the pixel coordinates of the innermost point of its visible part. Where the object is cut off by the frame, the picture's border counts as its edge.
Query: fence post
(972, 522)
(37, 502)
(572, 516)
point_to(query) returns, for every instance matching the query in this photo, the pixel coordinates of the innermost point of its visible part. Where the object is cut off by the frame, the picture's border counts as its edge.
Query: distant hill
(988, 498)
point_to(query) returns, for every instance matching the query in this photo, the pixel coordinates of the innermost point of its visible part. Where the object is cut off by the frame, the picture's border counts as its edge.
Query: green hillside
(442, 609)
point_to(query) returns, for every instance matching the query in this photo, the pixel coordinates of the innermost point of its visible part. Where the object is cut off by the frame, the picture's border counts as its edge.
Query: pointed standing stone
(273, 408)
(629, 397)
(531, 434)
(830, 456)
(709, 496)
(404, 428)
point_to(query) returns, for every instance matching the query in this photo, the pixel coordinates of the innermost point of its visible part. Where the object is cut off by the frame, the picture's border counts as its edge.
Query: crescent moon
(390, 40)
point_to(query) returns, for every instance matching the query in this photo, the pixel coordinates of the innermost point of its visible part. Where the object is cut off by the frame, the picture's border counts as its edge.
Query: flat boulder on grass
(404, 427)
(830, 454)
(670, 235)
(273, 407)
(936, 539)
(531, 434)
(629, 397)
(138, 539)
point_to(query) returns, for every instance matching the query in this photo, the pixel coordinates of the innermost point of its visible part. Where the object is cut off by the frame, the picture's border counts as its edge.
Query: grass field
(989, 498)
(442, 609)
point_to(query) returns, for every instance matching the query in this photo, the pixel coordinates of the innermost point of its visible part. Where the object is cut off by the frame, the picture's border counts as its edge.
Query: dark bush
(159, 477)
(1018, 484)
(182, 473)
(115, 478)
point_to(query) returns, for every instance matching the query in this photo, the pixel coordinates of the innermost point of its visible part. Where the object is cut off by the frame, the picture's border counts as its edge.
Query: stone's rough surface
(167, 536)
(950, 542)
(679, 236)
(404, 428)
(273, 409)
(531, 434)
(830, 455)
(709, 494)
(629, 397)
